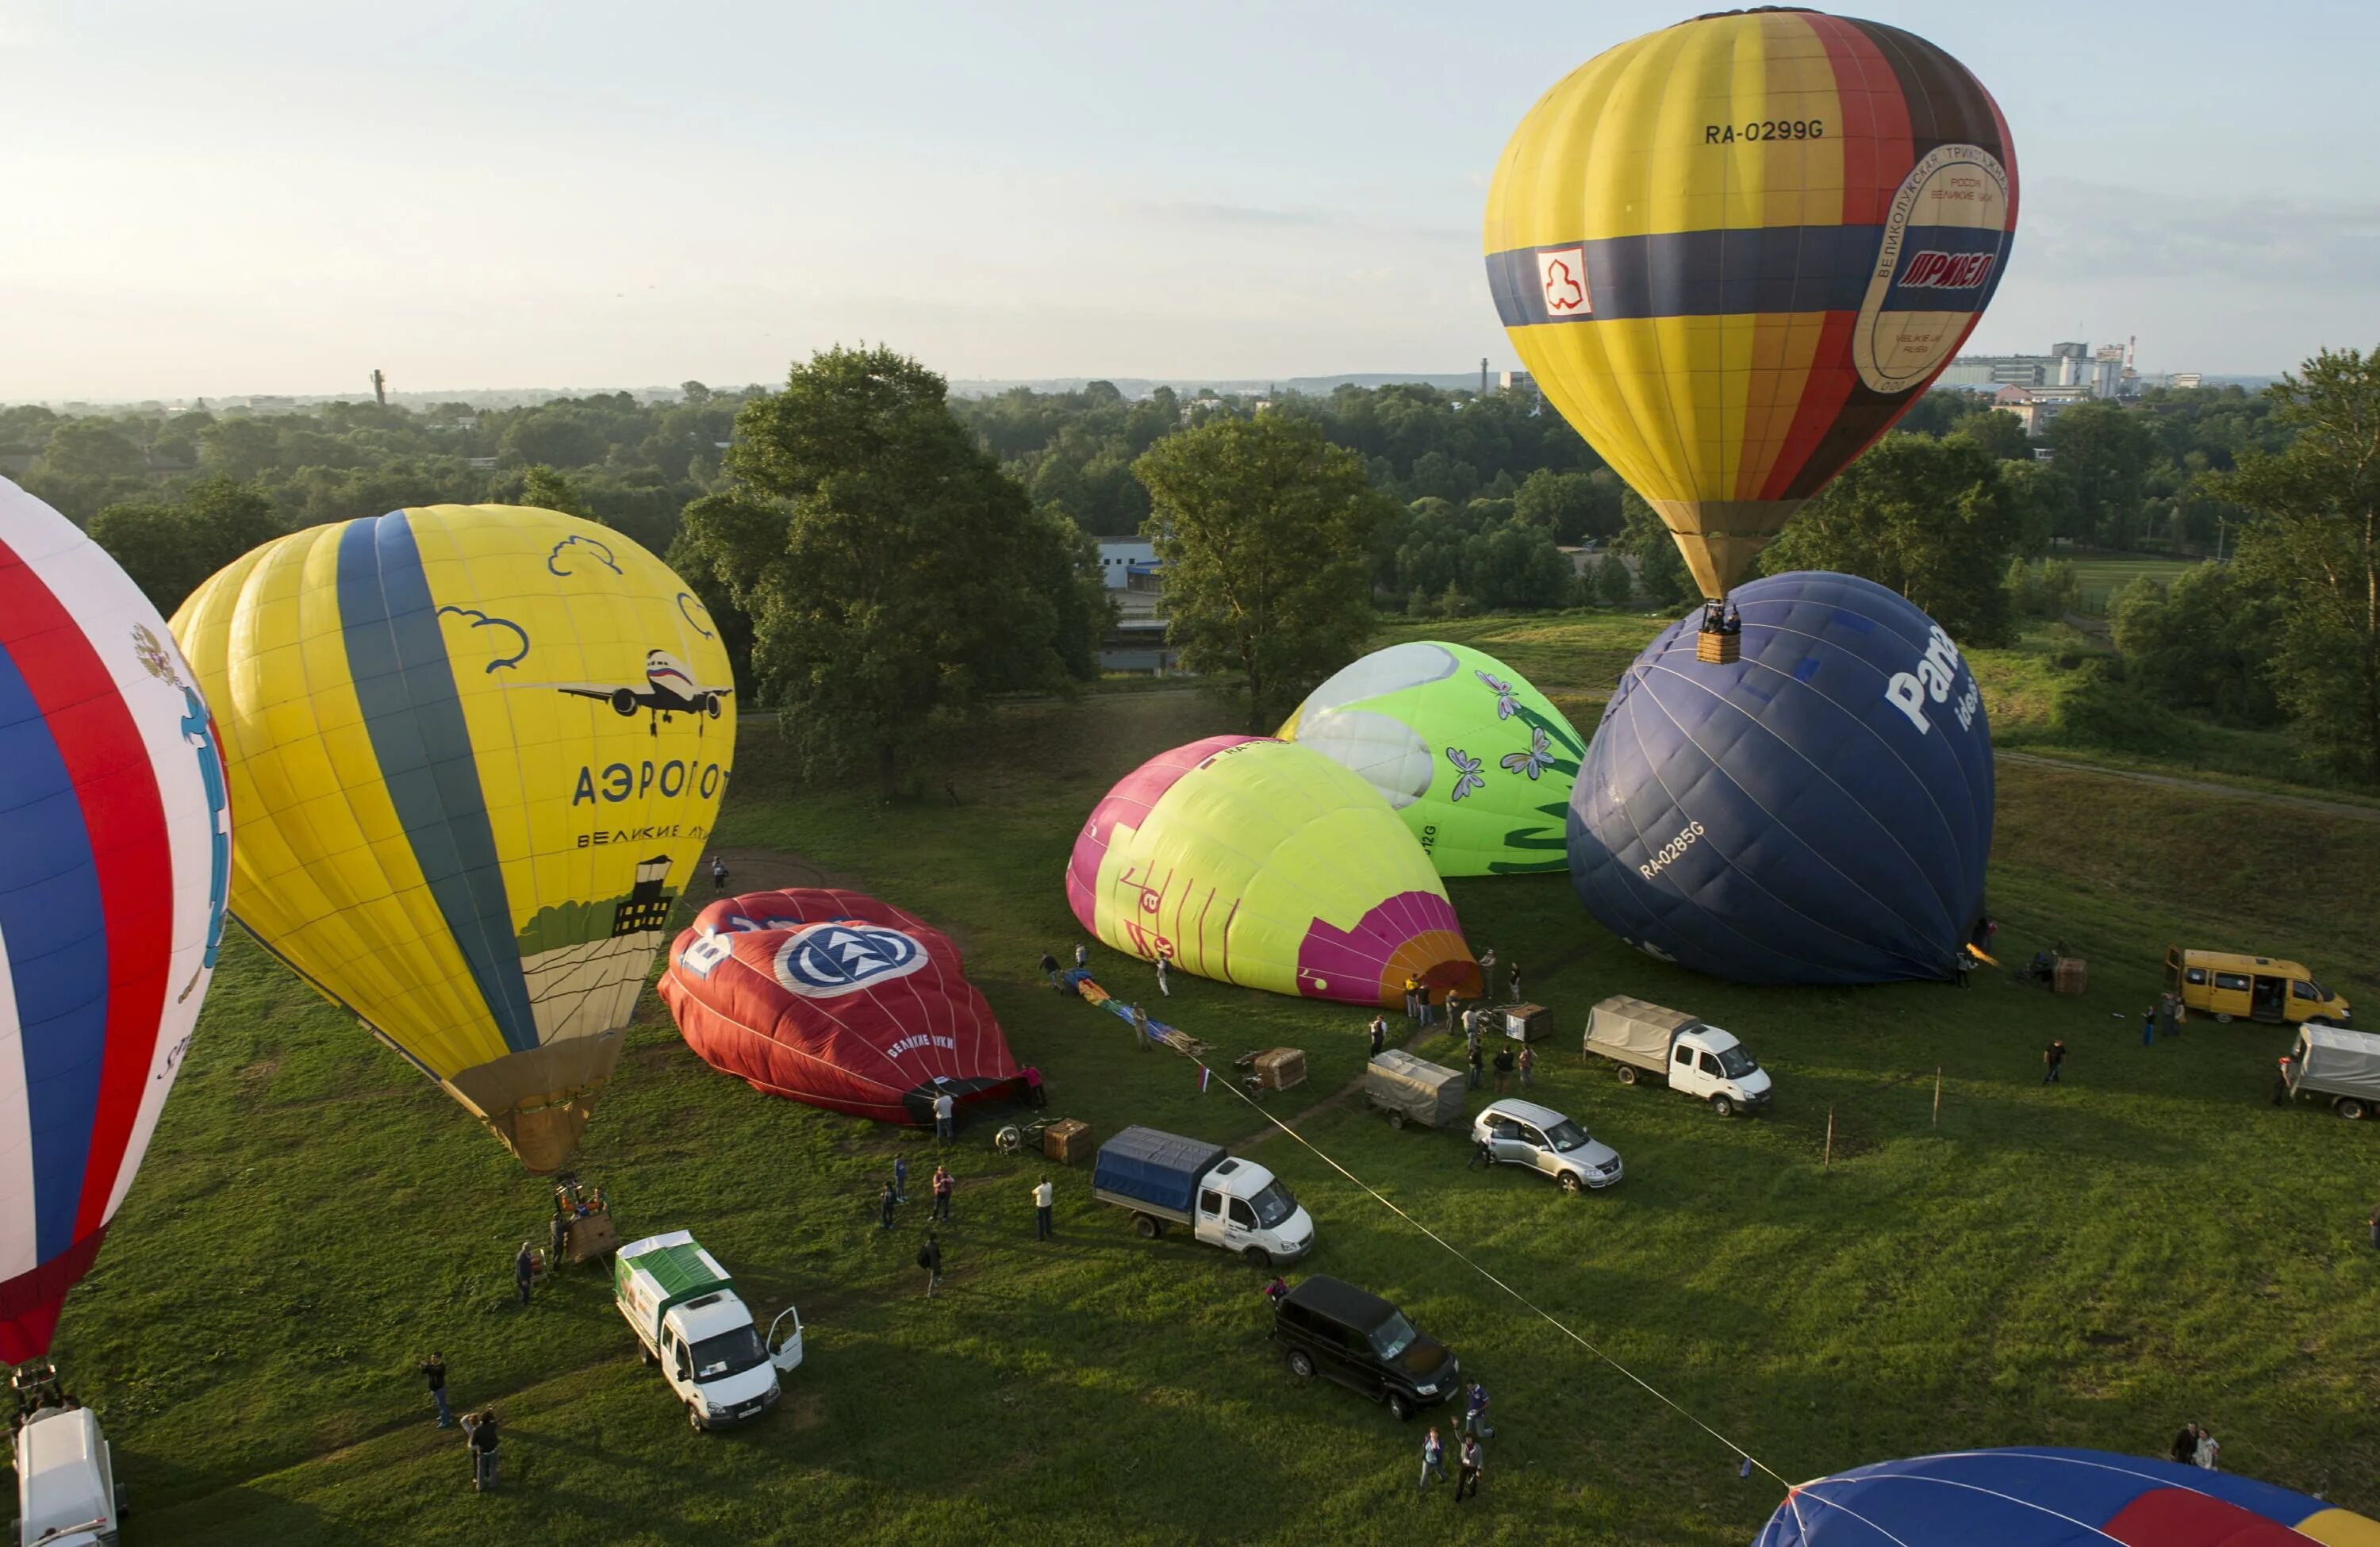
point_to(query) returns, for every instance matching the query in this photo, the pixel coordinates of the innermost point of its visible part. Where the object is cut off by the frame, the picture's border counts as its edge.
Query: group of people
(896, 1191)
(2196, 1447)
(930, 1254)
(1507, 1060)
(479, 1429)
(1471, 1460)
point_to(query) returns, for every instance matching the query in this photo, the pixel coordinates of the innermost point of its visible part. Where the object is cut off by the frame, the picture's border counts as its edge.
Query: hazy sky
(240, 197)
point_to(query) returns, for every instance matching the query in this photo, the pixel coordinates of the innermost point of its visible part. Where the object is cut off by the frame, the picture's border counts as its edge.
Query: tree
(241, 448)
(1931, 519)
(549, 490)
(557, 436)
(91, 448)
(1262, 527)
(1570, 505)
(1660, 568)
(1999, 432)
(893, 575)
(2104, 451)
(2201, 642)
(2315, 539)
(1614, 587)
(171, 549)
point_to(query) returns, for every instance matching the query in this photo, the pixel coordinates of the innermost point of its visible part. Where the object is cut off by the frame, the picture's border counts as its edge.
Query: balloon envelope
(1817, 813)
(1476, 762)
(838, 1000)
(475, 750)
(1733, 252)
(114, 858)
(2053, 1498)
(1260, 862)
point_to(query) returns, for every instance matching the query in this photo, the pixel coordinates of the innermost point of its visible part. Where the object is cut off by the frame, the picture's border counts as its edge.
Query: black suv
(1329, 1327)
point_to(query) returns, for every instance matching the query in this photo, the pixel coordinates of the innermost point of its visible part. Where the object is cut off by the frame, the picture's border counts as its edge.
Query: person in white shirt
(943, 1110)
(1044, 1198)
(2208, 1447)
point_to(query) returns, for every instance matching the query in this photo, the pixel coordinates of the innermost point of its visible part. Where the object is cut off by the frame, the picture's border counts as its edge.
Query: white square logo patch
(1561, 275)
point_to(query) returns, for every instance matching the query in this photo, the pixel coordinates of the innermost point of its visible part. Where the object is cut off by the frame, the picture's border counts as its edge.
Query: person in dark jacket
(524, 1269)
(885, 1201)
(1503, 1068)
(1050, 968)
(1379, 1034)
(1482, 1154)
(1478, 1062)
(434, 1369)
(480, 1435)
(2054, 1057)
(1468, 1467)
(557, 1231)
(930, 1257)
(2185, 1445)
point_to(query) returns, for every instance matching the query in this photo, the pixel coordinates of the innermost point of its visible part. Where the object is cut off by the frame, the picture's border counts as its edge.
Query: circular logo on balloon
(1943, 239)
(820, 961)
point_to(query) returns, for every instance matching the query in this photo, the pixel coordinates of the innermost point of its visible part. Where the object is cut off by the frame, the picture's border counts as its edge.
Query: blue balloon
(1818, 811)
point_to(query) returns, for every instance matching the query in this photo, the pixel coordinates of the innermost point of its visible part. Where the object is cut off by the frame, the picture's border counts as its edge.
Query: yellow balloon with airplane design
(474, 753)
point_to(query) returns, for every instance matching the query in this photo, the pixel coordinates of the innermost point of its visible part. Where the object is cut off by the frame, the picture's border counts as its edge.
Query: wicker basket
(1718, 649)
(2073, 975)
(1281, 1068)
(1066, 1138)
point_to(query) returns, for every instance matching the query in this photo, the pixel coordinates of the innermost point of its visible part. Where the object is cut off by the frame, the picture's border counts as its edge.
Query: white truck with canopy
(691, 1322)
(1648, 1041)
(1235, 1204)
(2344, 1065)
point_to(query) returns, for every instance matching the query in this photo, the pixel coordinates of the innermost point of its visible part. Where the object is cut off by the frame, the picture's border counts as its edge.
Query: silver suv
(1523, 1133)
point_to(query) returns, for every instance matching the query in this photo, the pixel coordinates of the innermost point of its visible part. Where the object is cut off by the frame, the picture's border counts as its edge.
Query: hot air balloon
(1817, 813)
(115, 860)
(1256, 861)
(1476, 762)
(1734, 252)
(475, 750)
(2050, 1498)
(838, 1000)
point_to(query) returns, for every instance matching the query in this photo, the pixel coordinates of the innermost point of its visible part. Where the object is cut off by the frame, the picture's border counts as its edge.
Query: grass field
(2088, 1264)
(2098, 577)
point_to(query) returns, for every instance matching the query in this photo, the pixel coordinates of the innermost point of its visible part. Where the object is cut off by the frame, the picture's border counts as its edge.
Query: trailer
(1412, 1090)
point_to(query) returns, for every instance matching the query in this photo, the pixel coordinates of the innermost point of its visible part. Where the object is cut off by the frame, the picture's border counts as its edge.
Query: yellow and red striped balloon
(1734, 252)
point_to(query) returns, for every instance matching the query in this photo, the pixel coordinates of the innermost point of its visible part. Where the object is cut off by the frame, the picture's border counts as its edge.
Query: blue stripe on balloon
(405, 686)
(54, 929)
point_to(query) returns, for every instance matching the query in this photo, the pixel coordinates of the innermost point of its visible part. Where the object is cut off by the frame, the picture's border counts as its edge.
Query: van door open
(2270, 999)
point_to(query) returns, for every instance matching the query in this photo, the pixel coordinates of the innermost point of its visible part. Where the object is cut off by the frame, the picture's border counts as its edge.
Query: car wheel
(1723, 1106)
(1569, 1182)
(1396, 1119)
(693, 1416)
(1301, 1364)
(1627, 1073)
(1147, 1228)
(1400, 1406)
(1258, 1256)
(2222, 1020)
(2349, 1108)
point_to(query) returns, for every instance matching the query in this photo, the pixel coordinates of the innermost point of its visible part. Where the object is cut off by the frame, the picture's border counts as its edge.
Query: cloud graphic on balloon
(603, 555)
(694, 623)
(481, 620)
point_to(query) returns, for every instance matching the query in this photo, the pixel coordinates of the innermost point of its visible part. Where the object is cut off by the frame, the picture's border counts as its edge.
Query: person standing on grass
(1379, 1034)
(945, 1115)
(1412, 997)
(901, 1178)
(480, 1435)
(1503, 1068)
(1478, 1060)
(524, 1269)
(942, 1185)
(2054, 1056)
(434, 1368)
(2281, 1082)
(884, 1203)
(1164, 965)
(1044, 1198)
(930, 1257)
(2148, 1025)
(718, 875)
(1528, 1063)
(1512, 985)
(2209, 1447)
(557, 1231)
(1475, 1412)
(1433, 1458)
(2184, 1450)
(1467, 1469)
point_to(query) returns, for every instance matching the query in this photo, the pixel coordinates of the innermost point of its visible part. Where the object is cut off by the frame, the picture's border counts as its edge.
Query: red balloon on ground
(839, 1000)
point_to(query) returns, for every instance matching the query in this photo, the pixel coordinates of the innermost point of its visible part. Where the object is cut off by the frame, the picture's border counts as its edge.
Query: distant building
(482, 463)
(2103, 373)
(2034, 407)
(2185, 379)
(1126, 560)
(1521, 383)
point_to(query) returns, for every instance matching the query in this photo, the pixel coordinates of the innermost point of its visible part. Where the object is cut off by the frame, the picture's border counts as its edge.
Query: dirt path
(2198, 786)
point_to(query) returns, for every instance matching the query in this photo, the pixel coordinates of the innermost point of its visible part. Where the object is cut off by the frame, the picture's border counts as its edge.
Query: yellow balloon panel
(1733, 252)
(475, 750)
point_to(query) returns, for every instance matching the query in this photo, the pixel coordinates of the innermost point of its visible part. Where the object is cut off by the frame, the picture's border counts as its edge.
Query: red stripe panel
(109, 764)
(2178, 1517)
(29, 1303)
(1877, 149)
(1831, 378)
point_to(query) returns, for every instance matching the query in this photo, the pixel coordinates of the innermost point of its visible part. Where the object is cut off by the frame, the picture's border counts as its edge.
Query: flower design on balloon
(1467, 775)
(1536, 760)
(1507, 704)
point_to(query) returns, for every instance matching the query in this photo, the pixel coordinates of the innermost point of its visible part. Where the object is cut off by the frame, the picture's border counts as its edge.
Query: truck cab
(2229, 985)
(691, 1322)
(1245, 1208)
(1712, 1065)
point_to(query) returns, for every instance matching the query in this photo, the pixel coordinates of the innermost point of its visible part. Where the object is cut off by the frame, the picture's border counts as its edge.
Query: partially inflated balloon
(115, 857)
(1476, 762)
(1818, 811)
(1259, 863)
(1734, 252)
(2054, 1498)
(475, 750)
(839, 1000)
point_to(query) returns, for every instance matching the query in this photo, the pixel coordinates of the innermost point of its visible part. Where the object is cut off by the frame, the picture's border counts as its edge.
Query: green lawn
(2099, 576)
(2085, 1265)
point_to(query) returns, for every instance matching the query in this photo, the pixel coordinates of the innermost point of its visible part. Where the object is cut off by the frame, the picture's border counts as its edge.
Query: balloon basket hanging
(1713, 649)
